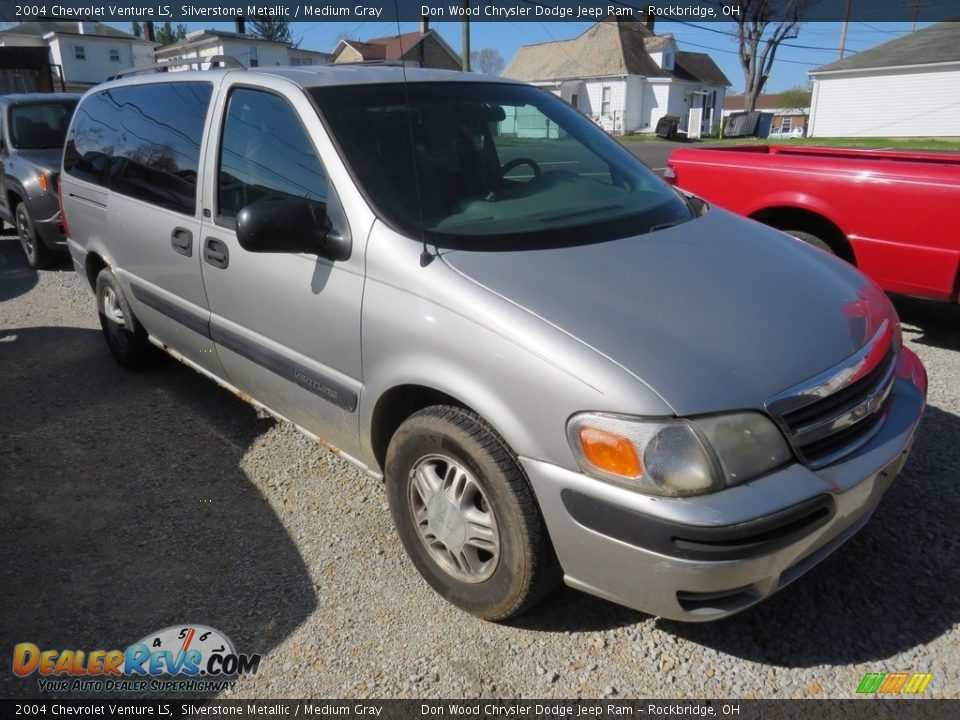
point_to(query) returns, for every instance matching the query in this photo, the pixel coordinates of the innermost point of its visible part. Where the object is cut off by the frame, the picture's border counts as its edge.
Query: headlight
(676, 457)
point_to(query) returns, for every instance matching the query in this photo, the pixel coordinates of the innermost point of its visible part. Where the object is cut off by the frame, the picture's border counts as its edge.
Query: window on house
(605, 101)
(786, 124)
(254, 56)
(114, 55)
(667, 60)
(575, 100)
(79, 52)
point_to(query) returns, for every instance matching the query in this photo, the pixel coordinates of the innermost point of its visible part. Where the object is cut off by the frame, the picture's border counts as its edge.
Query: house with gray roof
(906, 87)
(626, 77)
(84, 53)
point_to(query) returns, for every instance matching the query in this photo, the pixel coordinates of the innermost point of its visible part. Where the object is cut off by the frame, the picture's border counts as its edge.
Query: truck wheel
(125, 336)
(38, 254)
(466, 515)
(811, 239)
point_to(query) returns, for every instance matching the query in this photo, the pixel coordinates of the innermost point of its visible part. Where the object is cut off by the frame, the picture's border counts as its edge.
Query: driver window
(265, 153)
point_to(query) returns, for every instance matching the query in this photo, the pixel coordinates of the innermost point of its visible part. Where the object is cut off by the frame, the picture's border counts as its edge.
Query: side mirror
(290, 226)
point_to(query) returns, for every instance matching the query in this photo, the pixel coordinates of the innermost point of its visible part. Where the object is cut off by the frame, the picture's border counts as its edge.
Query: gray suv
(561, 367)
(32, 131)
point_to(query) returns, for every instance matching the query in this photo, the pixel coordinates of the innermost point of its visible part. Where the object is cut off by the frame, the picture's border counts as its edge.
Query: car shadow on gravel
(892, 587)
(930, 323)
(124, 510)
(16, 277)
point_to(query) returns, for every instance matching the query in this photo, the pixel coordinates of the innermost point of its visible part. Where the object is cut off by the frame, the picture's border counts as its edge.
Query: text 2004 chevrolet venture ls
(561, 366)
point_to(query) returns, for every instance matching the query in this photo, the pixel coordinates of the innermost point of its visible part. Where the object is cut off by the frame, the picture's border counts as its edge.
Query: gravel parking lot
(132, 502)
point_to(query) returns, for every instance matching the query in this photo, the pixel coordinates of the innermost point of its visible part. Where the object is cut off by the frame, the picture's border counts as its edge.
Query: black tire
(128, 341)
(526, 568)
(811, 239)
(39, 256)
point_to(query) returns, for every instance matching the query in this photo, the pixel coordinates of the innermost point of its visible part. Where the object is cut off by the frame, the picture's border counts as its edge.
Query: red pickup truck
(892, 214)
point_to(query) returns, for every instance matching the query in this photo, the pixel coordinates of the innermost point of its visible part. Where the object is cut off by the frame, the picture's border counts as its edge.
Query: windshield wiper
(664, 226)
(579, 213)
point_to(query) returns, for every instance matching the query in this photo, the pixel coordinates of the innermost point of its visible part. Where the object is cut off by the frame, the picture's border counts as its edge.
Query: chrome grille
(834, 414)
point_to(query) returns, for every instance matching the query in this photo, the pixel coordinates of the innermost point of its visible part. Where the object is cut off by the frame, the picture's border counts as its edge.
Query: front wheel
(466, 515)
(38, 254)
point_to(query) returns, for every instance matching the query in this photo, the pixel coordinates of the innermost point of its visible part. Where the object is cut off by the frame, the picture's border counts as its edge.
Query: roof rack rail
(213, 62)
(384, 63)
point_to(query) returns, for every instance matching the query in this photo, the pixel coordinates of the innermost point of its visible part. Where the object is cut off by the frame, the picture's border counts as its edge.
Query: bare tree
(761, 27)
(487, 61)
(265, 28)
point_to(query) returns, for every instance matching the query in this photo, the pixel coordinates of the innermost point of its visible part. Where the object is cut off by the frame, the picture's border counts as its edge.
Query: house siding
(633, 104)
(896, 104)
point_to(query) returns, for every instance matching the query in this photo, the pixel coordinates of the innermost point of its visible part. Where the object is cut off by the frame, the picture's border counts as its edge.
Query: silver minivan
(561, 366)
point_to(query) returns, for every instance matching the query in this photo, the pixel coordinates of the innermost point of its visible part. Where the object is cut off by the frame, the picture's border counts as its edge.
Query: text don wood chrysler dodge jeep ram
(561, 366)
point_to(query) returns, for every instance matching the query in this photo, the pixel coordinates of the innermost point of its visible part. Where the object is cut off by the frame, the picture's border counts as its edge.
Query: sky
(817, 43)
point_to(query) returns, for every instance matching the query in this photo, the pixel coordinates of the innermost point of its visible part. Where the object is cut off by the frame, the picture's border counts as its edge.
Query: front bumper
(45, 211)
(707, 557)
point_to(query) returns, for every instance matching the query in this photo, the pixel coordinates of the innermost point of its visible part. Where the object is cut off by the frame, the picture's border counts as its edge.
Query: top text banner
(696, 11)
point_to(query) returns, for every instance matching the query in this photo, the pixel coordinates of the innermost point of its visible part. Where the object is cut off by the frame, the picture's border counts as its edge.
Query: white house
(250, 51)
(907, 87)
(86, 53)
(627, 78)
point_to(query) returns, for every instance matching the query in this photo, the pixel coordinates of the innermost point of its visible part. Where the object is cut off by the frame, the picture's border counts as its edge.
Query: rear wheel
(811, 239)
(125, 336)
(466, 514)
(38, 255)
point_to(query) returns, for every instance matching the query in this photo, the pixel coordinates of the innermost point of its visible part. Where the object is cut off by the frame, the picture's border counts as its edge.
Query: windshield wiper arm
(591, 211)
(664, 226)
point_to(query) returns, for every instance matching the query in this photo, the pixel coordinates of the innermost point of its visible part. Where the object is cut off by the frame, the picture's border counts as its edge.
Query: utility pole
(465, 30)
(843, 28)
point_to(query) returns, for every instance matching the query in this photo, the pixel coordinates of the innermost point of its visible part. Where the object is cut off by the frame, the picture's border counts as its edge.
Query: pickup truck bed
(891, 213)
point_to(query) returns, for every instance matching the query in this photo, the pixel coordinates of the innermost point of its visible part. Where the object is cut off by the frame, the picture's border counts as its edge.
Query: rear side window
(40, 126)
(265, 154)
(142, 141)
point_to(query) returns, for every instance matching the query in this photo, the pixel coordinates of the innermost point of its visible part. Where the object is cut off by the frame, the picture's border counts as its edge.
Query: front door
(287, 326)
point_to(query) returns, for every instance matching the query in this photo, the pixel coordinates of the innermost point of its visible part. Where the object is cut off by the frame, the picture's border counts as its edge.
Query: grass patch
(876, 143)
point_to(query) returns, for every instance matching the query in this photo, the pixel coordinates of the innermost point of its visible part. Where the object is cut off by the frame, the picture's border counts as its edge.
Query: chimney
(424, 24)
(648, 20)
(241, 25)
(148, 34)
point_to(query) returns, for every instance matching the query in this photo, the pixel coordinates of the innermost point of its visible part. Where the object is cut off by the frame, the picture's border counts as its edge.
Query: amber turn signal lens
(610, 452)
(45, 182)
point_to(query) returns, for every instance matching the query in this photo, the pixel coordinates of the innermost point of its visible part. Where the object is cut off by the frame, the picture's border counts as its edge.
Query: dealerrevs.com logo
(182, 658)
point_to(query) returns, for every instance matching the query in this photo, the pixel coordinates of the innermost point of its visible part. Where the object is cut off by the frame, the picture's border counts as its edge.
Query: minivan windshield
(482, 162)
(40, 126)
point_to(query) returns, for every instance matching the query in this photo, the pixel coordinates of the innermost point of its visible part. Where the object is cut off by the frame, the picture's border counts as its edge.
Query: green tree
(136, 28)
(168, 34)
(796, 97)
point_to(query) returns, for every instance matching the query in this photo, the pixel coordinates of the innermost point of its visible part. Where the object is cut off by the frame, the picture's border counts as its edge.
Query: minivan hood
(717, 314)
(43, 159)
